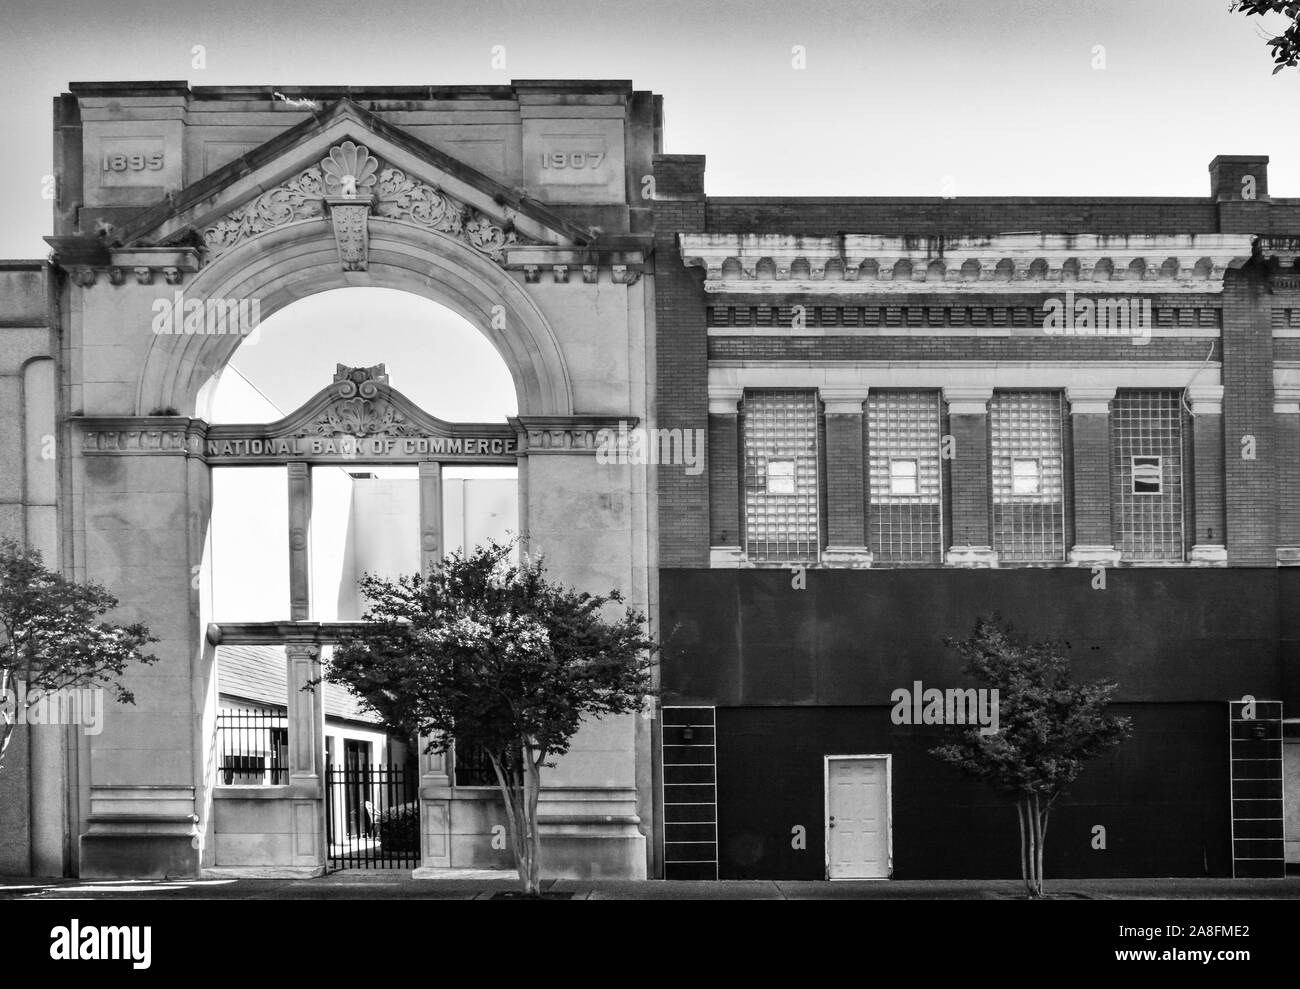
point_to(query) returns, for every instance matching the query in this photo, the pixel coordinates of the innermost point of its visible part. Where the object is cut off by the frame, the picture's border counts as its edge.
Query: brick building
(1081, 413)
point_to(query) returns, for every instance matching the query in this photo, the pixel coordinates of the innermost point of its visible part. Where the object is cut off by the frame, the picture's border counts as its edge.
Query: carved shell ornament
(362, 417)
(359, 409)
(349, 171)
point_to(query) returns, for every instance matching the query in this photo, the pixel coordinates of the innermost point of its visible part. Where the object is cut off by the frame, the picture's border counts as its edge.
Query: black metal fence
(253, 748)
(372, 816)
(473, 767)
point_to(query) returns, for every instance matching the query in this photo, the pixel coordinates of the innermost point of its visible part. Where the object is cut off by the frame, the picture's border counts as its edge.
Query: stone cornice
(357, 417)
(576, 434)
(563, 265)
(86, 258)
(136, 435)
(870, 264)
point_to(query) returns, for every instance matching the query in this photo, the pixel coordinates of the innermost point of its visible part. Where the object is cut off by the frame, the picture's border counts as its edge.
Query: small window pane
(1146, 475)
(902, 476)
(780, 477)
(1024, 475)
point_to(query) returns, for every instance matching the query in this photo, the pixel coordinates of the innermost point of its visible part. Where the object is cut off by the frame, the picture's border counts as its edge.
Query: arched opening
(365, 515)
(369, 514)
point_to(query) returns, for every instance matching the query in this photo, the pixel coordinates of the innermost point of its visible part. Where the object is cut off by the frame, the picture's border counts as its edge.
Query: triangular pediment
(290, 178)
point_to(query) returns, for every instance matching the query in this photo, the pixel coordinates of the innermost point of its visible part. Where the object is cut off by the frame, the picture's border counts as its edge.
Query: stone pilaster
(431, 537)
(306, 754)
(299, 541)
(435, 808)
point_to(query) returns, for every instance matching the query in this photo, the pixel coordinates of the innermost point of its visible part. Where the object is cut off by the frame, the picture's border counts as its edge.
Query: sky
(896, 97)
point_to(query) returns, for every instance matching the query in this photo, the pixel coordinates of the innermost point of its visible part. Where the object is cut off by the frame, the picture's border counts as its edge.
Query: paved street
(484, 885)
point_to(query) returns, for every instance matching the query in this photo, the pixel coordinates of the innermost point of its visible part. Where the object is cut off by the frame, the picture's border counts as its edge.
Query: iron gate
(372, 817)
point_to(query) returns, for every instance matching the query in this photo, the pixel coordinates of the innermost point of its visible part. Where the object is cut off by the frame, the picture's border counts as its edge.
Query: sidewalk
(483, 885)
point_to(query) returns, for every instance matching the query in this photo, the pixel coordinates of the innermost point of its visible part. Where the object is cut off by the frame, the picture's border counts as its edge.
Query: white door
(857, 817)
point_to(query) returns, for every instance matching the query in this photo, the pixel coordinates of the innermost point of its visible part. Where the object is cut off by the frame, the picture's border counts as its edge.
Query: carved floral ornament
(358, 410)
(757, 263)
(350, 172)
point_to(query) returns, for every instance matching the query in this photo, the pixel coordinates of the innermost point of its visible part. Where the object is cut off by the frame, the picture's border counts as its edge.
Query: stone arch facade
(280, 266)
(549, 270)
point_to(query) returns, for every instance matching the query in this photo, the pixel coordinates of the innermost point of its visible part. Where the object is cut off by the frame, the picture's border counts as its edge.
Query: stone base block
(972, 556)
(139, 855)
(577, 856)
(857, 557)
(1093, 556)
(726, 557)
(264, 872)
(1208, 555)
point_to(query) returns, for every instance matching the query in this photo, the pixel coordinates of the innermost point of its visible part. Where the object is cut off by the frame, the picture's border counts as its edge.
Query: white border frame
(889, 815)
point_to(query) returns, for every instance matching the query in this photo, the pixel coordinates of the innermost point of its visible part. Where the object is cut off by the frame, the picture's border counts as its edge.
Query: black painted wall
(1162, 798)
(799, 674)
(746, 637)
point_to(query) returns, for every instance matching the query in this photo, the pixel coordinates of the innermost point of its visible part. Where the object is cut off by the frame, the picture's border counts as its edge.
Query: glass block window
(905, 509)
(781, 472)
(1146, 444)
(1026, 460)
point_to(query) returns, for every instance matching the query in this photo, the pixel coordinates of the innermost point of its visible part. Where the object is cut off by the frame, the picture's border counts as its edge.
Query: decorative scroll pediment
(301, 198)
(359, 416)
(353, 184)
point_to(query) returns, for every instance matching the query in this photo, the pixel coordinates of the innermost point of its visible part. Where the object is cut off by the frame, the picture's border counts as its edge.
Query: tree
(50, 639)
(487, 652)
(1049, 728)
(1285, 46)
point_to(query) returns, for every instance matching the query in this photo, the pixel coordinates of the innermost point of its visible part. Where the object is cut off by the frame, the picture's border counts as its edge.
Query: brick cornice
(761, 263)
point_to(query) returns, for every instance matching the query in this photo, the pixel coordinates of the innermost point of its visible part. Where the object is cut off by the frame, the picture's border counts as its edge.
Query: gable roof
(257, 674)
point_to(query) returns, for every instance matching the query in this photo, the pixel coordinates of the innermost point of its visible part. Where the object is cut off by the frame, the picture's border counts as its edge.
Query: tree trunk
(1036, 846)
(1042, 843)
(510, 779)
(9, 719)
(1022, 815)
(532, 791)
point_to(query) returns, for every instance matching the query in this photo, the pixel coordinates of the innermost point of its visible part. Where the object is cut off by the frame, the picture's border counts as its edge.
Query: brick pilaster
(1094, 534)
(1207, 515)
(1250, 450)
(846, 516)
(681, 354)
(968, 423)
(1286, 420)
(724, 475)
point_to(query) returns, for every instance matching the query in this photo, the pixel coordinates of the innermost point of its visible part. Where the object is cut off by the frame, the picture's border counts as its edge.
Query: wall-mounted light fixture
(688, 734)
